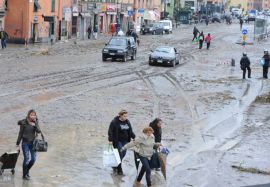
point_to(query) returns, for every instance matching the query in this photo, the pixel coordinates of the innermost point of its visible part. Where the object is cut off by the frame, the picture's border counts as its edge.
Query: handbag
(40, 145)
(111, 157)
(262, 61)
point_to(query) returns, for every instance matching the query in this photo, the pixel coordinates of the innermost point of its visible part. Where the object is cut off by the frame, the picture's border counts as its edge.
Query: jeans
(208, 45)
(145, 168)
(154, 163)
(27, 147)
(122, 154)
(3, 43)
(200, 44)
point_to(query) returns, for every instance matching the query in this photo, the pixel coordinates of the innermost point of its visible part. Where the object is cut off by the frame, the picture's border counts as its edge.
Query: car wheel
(133, 57)
(124, 58)
(173, 63)
(104, 58)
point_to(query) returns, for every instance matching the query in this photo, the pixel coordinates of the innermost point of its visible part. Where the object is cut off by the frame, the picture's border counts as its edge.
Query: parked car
(147, 28)
(152, 28)
(120, 47)
(167, 25)
(164, 55)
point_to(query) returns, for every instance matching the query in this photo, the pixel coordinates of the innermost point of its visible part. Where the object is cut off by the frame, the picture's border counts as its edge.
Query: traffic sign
(244, 31)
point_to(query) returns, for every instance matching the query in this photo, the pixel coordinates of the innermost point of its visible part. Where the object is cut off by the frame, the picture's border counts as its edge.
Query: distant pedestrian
(28, 129)
(266, 64)
(119, 134)
(241, 22)
(4, 37)
(195, 33)
(208, 39)
(144, 145)
(134, 35)
(95, 31)
(206, 20)
(245, 65)
(201, 39)
(89, 31)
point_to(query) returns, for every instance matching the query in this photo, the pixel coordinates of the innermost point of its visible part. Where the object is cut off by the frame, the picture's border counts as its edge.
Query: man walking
(245, 65)
(4, 37)
(241, 22)
(208, 39)
(119, 134)
(89, 31)
(266, 58)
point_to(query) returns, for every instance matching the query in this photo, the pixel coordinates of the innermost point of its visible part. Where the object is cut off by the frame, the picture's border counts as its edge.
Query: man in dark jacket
(245, 65)
(119, 134)
(266, 64)
(195, 33)
(4, 37)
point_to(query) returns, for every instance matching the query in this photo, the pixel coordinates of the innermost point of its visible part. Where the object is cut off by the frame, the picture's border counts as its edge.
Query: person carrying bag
(27, 135)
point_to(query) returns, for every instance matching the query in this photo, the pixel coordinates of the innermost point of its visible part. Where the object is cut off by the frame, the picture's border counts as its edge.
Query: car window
(118, 41)
(165, 23)
(164, 50)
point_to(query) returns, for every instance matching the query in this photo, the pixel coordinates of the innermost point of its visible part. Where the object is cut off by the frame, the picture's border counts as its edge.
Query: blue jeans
(145, 168)
(119, 147)
(3, 43)
(154, 163)
(27, 147)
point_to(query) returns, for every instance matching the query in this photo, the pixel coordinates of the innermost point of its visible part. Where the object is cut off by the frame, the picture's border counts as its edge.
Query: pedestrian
(95, 31)
(89, 31)
(208, 39)
(28, 129)
(4, 37)
(119, 134)
(195, 33)
(156, 126)
(134, 35)
(206, 20)
(245, 65)
(201, 39)
(144, 145)
(241, 23)
(266, 58)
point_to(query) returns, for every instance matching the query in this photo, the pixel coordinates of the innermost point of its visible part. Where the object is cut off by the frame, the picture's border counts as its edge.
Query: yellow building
(243, 3)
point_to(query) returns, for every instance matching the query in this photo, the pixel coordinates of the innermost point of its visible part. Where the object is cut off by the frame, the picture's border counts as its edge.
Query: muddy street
(213, 118)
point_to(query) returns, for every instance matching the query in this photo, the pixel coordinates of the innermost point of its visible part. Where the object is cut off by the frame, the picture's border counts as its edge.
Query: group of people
(199, 36)
(122, 137)
(245, 64)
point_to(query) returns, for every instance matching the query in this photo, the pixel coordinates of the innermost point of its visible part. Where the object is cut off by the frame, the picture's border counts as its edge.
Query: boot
(25, 177)
(28, 168)
(120, 170)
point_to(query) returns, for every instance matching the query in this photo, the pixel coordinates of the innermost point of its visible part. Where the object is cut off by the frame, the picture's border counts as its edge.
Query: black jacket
(157, 132)
(27, 131)
(244, 62)
(113, 132)
(266, 58)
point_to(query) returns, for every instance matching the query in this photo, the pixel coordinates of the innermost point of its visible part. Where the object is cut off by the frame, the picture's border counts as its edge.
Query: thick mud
(211, 119)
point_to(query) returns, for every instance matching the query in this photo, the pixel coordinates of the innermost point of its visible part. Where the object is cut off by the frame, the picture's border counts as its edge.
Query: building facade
(2, 13)
(38, 20)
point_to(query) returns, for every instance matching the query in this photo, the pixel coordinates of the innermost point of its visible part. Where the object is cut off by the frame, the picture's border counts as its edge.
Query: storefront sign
(103, 7)
(35, 19)
(67, 14)
(90, 6)
(98, 7)
(74, 9)
(111, 8)
(140, 11)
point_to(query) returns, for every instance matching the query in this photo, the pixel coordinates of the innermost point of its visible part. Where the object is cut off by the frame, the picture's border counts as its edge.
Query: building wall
(21, 22)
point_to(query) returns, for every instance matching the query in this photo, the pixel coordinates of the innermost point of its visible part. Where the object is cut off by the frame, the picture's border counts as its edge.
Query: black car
(152, 28)
(164, 55)
(120, 47)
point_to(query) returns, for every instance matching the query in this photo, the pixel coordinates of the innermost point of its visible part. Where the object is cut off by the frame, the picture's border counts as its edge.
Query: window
(36, 6)
(53, 5)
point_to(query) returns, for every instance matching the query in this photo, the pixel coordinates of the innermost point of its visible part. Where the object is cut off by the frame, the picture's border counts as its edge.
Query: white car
(167, 25)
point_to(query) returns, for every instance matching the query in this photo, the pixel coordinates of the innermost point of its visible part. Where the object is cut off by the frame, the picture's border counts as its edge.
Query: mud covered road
(212, 120)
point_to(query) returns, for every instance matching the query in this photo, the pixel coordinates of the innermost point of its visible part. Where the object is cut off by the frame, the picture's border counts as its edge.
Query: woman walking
(28, 129)
(144, 146)
(201, 39)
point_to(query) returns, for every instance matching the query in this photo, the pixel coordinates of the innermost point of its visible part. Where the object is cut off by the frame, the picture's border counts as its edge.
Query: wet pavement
(211, 119)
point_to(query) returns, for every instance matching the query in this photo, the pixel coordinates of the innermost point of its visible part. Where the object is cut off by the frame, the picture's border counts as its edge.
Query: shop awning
(85, 14)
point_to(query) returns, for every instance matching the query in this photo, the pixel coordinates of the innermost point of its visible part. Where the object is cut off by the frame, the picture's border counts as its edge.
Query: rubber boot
(25, 177)
(29, 167)
(120, 170)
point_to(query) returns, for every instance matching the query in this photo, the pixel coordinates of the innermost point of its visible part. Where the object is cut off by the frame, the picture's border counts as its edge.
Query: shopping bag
(261, 61)
(111, 157)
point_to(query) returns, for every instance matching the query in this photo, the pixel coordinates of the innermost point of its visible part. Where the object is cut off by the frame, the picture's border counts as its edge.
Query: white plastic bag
(111, 157)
